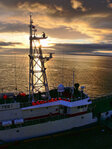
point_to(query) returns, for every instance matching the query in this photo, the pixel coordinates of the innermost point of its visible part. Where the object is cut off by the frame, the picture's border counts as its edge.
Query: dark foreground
(93, 138)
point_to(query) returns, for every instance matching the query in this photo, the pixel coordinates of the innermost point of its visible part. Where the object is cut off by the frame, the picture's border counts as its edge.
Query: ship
(37, 114)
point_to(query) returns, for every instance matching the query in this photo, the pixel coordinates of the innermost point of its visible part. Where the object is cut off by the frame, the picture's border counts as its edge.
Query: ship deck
(40, 97)
(101, 104)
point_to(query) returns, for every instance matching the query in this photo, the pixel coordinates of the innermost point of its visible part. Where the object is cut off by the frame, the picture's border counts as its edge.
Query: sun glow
(44, 43)
(109, 52)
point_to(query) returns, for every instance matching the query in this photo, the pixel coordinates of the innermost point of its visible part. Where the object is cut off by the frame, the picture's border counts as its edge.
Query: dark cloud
(92, 6)
(4, 44)
(101, 22)
(82, 49)
(71, 49)
(96, 14)
(15, 27)
(53, 3)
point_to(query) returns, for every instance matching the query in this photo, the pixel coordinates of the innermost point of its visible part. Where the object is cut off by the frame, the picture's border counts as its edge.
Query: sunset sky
(64, 21)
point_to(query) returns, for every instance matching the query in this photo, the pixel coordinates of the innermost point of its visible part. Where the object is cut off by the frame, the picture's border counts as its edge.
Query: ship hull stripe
(77, 114)
(55, 114)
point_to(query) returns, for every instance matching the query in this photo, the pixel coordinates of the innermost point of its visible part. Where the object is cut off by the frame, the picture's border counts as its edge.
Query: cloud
(15, 27)
(83, 49)
(76, 4)
(34, 6)
(5, 44)
(63, 19)
(109, 3)
(68, 33)
(71, 49)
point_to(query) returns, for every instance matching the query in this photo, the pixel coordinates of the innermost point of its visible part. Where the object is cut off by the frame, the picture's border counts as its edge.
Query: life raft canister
(5, 97)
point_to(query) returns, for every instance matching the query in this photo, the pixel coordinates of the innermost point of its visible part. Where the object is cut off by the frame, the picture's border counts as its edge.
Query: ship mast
(37, 70)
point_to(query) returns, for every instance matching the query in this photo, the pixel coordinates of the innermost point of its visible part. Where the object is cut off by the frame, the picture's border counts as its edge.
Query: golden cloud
(58, 8)
(35, 7)
(109, 3)
(95, 35)
(76, 4)
(44, 20)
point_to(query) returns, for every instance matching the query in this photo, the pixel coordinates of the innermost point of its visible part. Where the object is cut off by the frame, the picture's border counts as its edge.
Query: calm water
(93, 72)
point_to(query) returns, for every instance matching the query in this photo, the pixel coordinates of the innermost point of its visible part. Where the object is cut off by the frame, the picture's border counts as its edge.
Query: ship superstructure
(44, 113)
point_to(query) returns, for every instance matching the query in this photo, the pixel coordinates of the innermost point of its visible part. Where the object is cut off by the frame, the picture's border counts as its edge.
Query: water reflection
(38, 76)
(94, 72)
(8, 73)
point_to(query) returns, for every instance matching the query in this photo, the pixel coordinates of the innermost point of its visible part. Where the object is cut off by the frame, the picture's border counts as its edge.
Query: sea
(94, 72)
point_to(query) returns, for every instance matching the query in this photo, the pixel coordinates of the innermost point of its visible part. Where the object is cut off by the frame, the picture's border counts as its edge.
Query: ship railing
(102, 97)
(26, 104)
(38, 121)
(47, 119)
